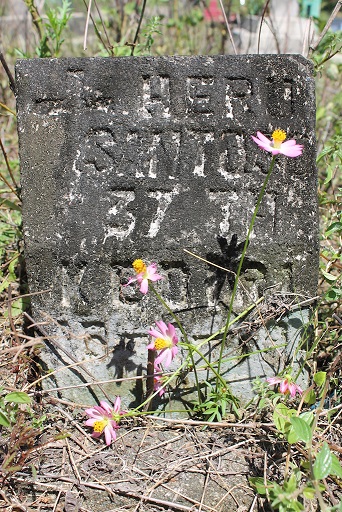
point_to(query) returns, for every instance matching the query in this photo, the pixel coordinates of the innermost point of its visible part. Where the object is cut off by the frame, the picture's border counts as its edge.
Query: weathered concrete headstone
(145, 157)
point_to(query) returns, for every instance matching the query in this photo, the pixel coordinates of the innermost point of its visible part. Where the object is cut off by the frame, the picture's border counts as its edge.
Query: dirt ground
(153, 465)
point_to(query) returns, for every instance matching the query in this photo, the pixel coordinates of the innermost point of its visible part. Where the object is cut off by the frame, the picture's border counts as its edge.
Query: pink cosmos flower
(165, 340)
(277, 145)
(104, 418)
(144, 275)
(286, 386)
(158, 380)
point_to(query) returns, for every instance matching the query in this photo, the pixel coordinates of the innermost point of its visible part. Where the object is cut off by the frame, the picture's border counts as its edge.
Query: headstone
(146, 158)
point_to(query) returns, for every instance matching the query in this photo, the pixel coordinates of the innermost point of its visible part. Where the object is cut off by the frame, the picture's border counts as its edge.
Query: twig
(2, 177)
(75, 424)
(138, 27)
(9, 167)
(72, 460)
(253, 503)
(228, 27)
(102, 487)
(308, 37)
(8, 73)
(209, 262)
(8, 109)
(10, 317)
(150, 378)
(86, 26)
(333, 15)
(261, 22)
(218, 424)
(110, 46)
(36, 18)
(337, 318)
(32, 343)
(29, 294)
(87, 384)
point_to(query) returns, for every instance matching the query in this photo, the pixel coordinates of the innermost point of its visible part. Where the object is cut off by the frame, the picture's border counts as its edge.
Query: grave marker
(145, 157)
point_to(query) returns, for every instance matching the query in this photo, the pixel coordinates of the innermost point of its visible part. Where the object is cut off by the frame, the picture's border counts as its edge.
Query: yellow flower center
(160, 343)
(278, 137)
(139, 266)
(100, 425)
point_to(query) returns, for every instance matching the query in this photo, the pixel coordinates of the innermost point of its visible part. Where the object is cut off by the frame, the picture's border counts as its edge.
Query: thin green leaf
(259, 485)
(291, 484)
(319, 378)
(329, 277)
(302, 429)
(11, 205)
(309, 493)
(329, 174)
(18, 397)
(326, 151)
(336, 468)
(281, 416)
(4, 421)
(323, 463)
(335, 227)
(310, 397)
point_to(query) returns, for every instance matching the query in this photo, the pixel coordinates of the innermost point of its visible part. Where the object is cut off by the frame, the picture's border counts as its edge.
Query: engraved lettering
(152, 154)
(120, 222)
(279, 101)
(199, 91)
(238, 93)
(232, 155)
(164, 200)
(224, 200)
(156, 96)
(197, 145)
(152, 150)
(102, 150)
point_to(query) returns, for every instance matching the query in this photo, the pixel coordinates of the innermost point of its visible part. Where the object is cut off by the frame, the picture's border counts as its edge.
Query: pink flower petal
(144, 286)
(171, 331)
(274, 380)
(299, 389)
(117, 404)
(261, 144)
(160, 358)
(90, 422)
(292, 389)
(94, 413)
(292, 151)
(283, 387)
(106, 407)
(130, 280)
(162, 327)
(290, 142)
(262, 137)
(110, 434)
(154, 333)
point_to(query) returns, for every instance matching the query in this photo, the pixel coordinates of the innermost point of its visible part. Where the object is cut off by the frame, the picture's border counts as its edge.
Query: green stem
(236, 319)
(181, 328)
(209, 365)
(238, 272)
(167, 307)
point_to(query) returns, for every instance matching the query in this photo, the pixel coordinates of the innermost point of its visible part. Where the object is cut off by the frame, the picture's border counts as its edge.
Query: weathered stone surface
(145, 157)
